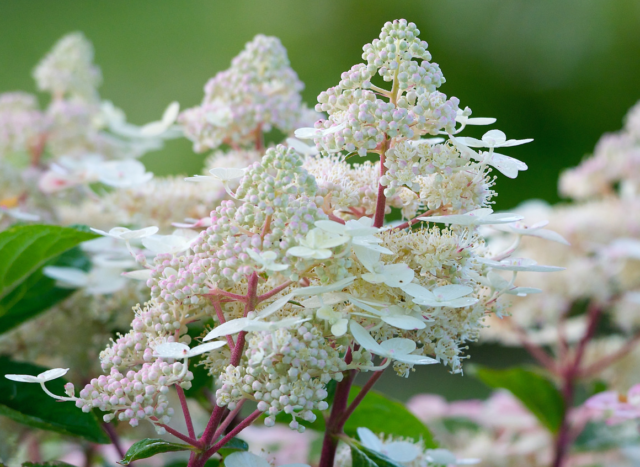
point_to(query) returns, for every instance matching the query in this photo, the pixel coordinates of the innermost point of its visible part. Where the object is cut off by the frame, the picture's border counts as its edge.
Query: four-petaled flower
(267, 260)
(492, 139)
(451, 296)
(317, 244)
(397, 348)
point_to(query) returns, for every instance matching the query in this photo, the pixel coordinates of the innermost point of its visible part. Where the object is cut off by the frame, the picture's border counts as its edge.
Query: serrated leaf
(535, 391)
(150, 447)
(28, 404)
(233, 445)
(384, 415)
(26, 248)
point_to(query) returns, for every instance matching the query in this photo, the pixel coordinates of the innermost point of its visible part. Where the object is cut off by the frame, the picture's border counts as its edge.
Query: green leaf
(32, 297)
(360, 459)
(535, 391)
(233, 445)
(210, 463)
(26, 403)
(26, 248)
(150, 447)
(364, 457)
(384, 415)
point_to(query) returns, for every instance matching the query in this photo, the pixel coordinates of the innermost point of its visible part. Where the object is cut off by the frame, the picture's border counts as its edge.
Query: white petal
(275, 306)
(226, 329)
(332, 227)
(369, 439)
(365, 340)
(481, 121)
(200, 349)
(549, 235)
(69, 276)
(166, 244)
(245, 459)
(306, 133)
(399, 345)
(462, 302)
(470, 142)
(415, 359)
(373, 278)
(494, 138)
(401, 451)
(340, 328)
(171, 113)
(174, 350)
(139, 275)
(404, 322)
(366, 256)
(449, 292)
(303, 252)
(441, 457)
(417, 291)
(23, 378)
(523, 291)
(398, 275)
(19, 215)
(201, 178)
(225, 174)
(516, 142)
(140, 233)
(507, 165)
(319, 289)
(54, 373)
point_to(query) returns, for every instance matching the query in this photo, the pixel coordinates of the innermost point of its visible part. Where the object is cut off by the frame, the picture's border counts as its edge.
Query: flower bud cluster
(359, 121)
(286, 371)
(345, 186)
(258, 92)
(68, 70)
(136, 395)
(278, 189)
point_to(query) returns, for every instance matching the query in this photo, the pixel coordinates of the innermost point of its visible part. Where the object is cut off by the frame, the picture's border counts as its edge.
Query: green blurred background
(560, 71)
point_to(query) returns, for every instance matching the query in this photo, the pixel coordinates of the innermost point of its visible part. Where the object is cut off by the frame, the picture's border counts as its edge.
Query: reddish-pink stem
(220, 315)
(177, 434)
(185, 411)
(271, 293)
(241, 426)
(569, 377)
(415, 220)
(363, 392)
(236, 297)
(381, 201)
(115, 440)
(228, 419)
(335, 218)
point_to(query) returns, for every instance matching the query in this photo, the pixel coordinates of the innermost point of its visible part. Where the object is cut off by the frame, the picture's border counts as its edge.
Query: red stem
(185, 411)
(335, 423)
(177, 434)
(271, 293)
(228, 419)
(115, 440)
(569, 378)
(363, 392)
(220, 314)
(250, 300)
(239, 298)
(381, 202)
(415, 220)
(241, 426)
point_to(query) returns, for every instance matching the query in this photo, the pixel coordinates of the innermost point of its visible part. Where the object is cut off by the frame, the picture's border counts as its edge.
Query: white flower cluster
(258, 92)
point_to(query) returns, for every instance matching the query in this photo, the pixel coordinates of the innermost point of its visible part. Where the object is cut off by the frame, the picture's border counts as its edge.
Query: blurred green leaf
(535, 391)
(26, 403)
(233, 445)
(201, 376)
(384, 415)
(150, 447)
(26, 248)
(360, 459)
